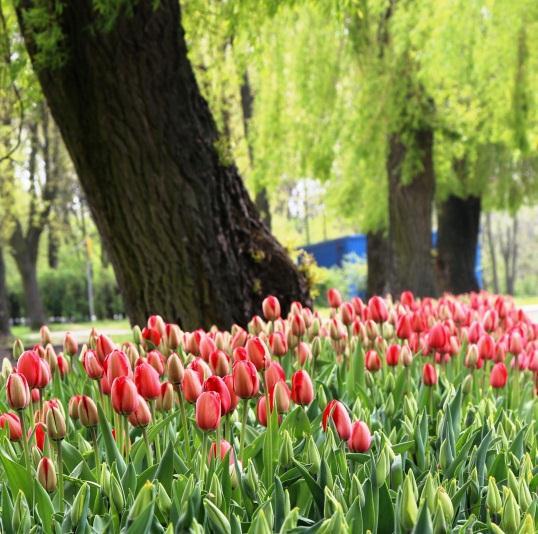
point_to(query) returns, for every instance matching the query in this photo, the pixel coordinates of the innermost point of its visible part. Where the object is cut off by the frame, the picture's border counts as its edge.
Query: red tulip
(302, 390)
(429, 375)
(334, 298)
(280, 397)
(46, 474)
(104, 347)
(217, 384)
(245, 379)
(406, 355)
(207, 346)
(240, 353)
(72, 407)
(486, 347)
(87, 412)
(273, 374)
(17, 391)
(124, 395)
(147, 381)
(14, 425)
(63, 366)
(336, 411)
(407, 298)
(278, 344)
(200, 366)
(70, 344)
(174, 369)
(360, 438)
(44, 334)
(92, 366)
(191, 385)
(261, 411)
(142, 415)
(257, 353)
(44, 376)
(157, 323)
(152, 336)
(347, 312)
(234, 399)
(271, 308)
(298, 325)
(117, 364)
(208, 410)
(29, 365)
(104, 384)
(39, 431)
(438, 337)
(239, 339)
(304, 353)
(224, 448)
(166, 399)
(393, 355)
(515, 345)
(173, 336)
(36, 395)
(156, 360)
(377, 309)
(372, 361)
(498, 376)
(219, 362)
(403, 327)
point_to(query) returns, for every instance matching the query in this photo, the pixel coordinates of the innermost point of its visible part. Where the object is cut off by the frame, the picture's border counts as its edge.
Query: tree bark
(410, 218)
(5, 330)
(457, 240)
(377, 262)
(247, 102)
(183, 235)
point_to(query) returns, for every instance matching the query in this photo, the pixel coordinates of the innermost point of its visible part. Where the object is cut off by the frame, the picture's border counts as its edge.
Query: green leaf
(424, 522)
(44, 506)
(385, 512)
(112, 452)
(315, 489)
(165, 470)
(7, 510)
(142, 524)
(279, 500)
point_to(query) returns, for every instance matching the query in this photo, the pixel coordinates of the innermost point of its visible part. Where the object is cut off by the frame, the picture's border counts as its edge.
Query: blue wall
(331, 253)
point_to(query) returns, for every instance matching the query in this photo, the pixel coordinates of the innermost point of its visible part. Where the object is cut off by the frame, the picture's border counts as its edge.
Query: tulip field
(383, 416)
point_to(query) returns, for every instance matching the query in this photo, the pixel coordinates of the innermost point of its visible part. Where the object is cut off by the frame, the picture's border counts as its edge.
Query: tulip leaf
(369, 513)
(44, 507)
(128, 480)
(7, 511)
(354, 517)
(517, 447)
(315, 489)
(142, 524)
(424, 522)
(18, 478)
(385, 511)
(481, 456)
(279, 500)
(165, 470)
(403, 446)
(112, 452)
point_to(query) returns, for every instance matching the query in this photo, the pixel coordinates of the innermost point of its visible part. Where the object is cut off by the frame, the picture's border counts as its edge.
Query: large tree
(183, 235)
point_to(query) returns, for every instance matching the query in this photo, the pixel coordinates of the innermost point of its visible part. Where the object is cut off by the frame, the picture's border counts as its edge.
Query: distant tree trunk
(492, 253)
(457, 240)
(377, 261)
(262, 197)
(410, 218)
(509, 252)
(182, 234)
(5, 330)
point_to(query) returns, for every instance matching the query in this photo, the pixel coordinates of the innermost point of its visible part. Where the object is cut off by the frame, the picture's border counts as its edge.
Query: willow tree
(183, 235)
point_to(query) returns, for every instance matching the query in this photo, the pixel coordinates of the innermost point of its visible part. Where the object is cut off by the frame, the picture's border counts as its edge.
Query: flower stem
(95, 449)
(185, 424)
(24, 441)
(60, 476)
(157, 440)
(243, 429)
(149, 452)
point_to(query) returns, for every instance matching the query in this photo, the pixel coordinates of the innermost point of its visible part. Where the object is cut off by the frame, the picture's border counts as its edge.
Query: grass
(528, 300)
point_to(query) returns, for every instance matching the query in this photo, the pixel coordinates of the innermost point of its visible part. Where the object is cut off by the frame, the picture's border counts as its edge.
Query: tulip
(87, 412)
(191, 385)
(377, 309)
(278, 344)
(200, 366)
(18, 393)
(146, 379)
(515, 345)
(239, 338)
(207, 346)
(29, 365)
(302, 390)
(471, 358)
(51, 358)
(72, 407)
(63, 366)
(208, 410)
(257, 353)
(141, 416)
(173, 336)
(219, 362)
(92, 365)
(151, 336)
(104, 385)
(334, 298)
(124, 395)
(303, 352)
(372, 361)
(56, 427)
(234, 399)
(35, 395)
(245, 379)
(13, 423)
(46, 474)
(438, 337)
(273, 374)
(156, 360)
(217, 384)
(261, 411)
(117, 364)
(104, 346)
(393, 355)
(222, 452)
(347, 313)
(166, 399)
(498, 376)
(174, 369)
(336, 411)
(271, 308)
(403, 327)
(44, 375)
(157, 322)
(280, 397)
(70, 344)
(429, 375)
(360, 438)
(298, 325)
(486, 347)
(39, 432)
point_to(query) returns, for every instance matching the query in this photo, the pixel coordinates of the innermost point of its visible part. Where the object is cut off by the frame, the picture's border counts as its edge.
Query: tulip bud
(245, 379)
(70, 344)
(360, 438)
(334, 298)
(271, 308)
(280, 397)
(251, 480)
(302, 390)
(44, 334)
(225, 447)
(191, 385)
(429, 375)
(143, 500)
(337, 413)
(316, 347)
(382, 467)
(208, 410)
(174, 369)
(165, 401)
(511, 513)
(444, 503)
(56, 424)
(18, 349)
(13, 423)
(87, 412)
(498, 376)
(217, 384)
(285, 456)
(79, 503)
(219, 362)
(257, 353)
(408, 506)
(261, 411)
(141, 417)
(146, 379)
(46, 474)
(17, 391)
(124, 395)
(406, 355)
(312, 456)
(92, 365)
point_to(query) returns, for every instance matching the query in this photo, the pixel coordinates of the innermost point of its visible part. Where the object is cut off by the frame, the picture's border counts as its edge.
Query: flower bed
(417, 415)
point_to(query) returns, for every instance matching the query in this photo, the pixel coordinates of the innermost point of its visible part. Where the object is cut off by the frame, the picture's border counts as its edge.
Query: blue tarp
(331, 253)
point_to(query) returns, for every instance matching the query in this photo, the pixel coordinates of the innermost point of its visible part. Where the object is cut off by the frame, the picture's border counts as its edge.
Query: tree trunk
(183, 236)
(457, 240)
(492, 253)
(5, 330)
(377, 258)
(262, 196)
(410, 218)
